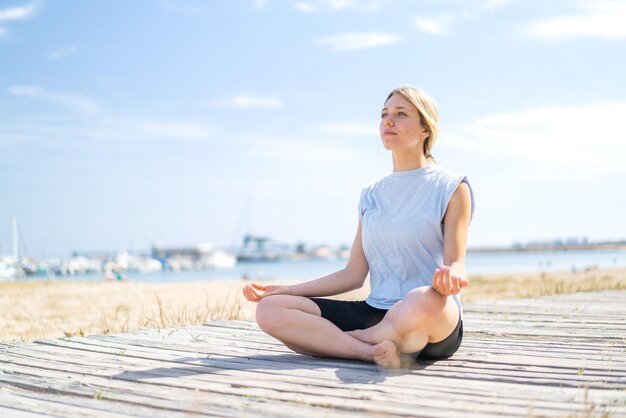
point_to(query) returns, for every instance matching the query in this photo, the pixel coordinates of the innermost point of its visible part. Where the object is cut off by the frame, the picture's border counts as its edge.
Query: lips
(389, 133)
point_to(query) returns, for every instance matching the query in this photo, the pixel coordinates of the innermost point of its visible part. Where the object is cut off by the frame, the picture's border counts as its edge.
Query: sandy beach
(34, 310)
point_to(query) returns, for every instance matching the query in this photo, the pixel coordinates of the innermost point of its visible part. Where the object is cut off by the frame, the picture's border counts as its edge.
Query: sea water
(476, 264)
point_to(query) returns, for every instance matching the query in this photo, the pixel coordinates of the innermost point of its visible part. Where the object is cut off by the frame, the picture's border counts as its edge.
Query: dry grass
(51, 309)
(541, 284)
(167, 317)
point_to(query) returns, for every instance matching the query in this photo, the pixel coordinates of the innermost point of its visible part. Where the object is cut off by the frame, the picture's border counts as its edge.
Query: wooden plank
(392, 403)
(86, 368)
(208, 336)
(536, 357)
(169, 402)
(411, 393)
(551, 356)
(23, 403)
(573, 364)
(314, 359)
(571, 369)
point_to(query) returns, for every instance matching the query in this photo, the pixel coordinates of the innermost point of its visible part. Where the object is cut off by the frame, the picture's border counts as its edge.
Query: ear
(425, 135)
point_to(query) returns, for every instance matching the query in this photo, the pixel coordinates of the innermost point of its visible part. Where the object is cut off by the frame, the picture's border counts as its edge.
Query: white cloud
(586, 138)
(318, 6)
(74, 101)
(435, 25)
(443, 24)
(153, 129)
(603, 19)
(347, 129)
(245, 102)
(113, 129)
(259, 4)
(59, 53)
(306, 7)
(351, 41)
(17, 13)
(495, 4)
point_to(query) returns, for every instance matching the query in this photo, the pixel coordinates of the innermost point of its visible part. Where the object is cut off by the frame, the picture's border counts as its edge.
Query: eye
(402, 114)
(384, 115)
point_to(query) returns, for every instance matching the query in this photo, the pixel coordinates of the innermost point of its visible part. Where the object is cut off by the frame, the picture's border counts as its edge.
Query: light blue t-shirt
(402, 230)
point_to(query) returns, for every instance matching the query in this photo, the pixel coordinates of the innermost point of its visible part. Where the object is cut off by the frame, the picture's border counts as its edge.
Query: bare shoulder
(461, 201)
(462, 193)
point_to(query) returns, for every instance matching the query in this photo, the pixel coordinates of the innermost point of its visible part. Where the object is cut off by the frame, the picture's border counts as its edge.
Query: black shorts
(351, 315)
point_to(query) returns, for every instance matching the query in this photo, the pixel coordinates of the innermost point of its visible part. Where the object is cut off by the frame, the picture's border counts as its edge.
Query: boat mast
(15, 243)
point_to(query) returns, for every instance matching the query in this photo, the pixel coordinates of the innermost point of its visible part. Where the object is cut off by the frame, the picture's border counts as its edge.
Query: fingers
(456, 285)
(447, 283)
(250, 294)
(441, 281)
(246, 293)
(250, 291)
(436, 280)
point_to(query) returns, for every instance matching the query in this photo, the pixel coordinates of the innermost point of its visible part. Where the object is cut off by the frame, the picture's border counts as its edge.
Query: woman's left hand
(449, 281)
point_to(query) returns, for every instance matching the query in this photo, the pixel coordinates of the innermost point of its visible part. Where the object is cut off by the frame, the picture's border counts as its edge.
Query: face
(400, 126)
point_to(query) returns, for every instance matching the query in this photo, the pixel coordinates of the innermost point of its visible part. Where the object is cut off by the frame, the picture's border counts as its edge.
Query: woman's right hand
(251, 291)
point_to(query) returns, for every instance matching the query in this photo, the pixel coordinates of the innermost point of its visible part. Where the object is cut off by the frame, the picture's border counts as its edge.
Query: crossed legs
(422, 316)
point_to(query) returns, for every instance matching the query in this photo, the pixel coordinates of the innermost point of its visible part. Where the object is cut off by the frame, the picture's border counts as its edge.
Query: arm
(349, 278)
(451, 277)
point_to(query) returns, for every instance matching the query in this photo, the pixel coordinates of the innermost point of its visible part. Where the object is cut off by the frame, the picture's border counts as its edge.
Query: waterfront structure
(202, 256)
(10, 265)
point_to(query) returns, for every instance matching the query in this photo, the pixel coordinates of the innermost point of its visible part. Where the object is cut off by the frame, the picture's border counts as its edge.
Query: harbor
(262, 257)
(195, 263)
(160, 258)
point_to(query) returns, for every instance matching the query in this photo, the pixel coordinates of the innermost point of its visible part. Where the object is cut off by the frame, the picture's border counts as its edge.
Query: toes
(385, 355)
(379, 350)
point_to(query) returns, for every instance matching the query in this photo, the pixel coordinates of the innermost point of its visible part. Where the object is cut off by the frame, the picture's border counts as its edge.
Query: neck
(411, 160)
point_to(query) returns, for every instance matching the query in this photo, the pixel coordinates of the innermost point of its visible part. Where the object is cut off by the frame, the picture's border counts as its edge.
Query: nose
(388, 122)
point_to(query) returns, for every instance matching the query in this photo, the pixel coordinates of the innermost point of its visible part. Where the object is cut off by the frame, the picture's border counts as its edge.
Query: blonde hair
(427, 108)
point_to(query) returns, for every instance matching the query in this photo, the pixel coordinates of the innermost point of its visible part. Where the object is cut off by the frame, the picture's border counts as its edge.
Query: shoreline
(617, 246)
(52, 308)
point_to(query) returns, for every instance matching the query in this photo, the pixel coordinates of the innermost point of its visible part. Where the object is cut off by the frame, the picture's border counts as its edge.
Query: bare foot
(362, 335)
(386, 355)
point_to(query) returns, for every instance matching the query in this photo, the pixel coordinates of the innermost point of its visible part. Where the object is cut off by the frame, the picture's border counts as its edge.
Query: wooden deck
(552, 356)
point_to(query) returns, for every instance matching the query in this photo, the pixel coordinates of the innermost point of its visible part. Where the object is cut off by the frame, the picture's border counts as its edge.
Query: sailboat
(9, 265)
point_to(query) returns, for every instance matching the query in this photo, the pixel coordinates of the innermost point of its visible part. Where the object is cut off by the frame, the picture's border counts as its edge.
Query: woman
(411, 238)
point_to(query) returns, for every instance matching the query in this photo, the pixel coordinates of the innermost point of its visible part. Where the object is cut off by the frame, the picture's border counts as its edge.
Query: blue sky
(127, 123)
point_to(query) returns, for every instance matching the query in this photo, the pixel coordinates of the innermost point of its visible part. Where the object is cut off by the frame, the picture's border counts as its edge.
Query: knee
(423, 303)
(266, 314)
